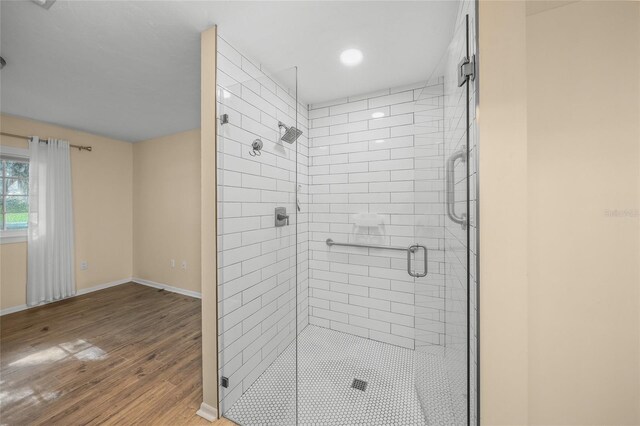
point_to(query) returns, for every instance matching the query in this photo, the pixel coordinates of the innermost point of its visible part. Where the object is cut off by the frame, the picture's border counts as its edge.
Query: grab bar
(450, 197)
(330, 242)
(411, 249)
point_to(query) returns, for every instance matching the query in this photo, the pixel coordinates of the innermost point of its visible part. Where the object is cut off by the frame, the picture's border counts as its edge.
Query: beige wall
(209, 211)
(166, 210)
(559, 137)
(502, 125)
(13, 275)
(102, 207)
(136, 206)
(583, 141)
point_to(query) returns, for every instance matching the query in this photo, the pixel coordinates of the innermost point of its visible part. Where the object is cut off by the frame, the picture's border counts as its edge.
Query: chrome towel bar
(411, 249)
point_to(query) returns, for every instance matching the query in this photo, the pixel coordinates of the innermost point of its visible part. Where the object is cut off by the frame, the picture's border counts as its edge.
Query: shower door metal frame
(466, 219)
(468, 72)
(476, 82)
(477, 196)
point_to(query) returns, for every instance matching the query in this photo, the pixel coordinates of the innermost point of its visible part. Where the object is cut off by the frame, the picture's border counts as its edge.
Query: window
(14, 211)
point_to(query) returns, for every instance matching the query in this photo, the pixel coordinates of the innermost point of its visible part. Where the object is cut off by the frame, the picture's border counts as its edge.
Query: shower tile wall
(429, 198)
(361, 164)
(257, 262)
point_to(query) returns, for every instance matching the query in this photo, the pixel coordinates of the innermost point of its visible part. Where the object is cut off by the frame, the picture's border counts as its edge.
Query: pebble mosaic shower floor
(329, 361)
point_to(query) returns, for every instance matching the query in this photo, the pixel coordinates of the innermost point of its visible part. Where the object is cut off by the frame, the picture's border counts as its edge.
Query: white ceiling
(131, 70)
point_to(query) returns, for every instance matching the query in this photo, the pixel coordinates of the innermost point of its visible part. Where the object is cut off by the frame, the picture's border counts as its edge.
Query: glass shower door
(445, 297)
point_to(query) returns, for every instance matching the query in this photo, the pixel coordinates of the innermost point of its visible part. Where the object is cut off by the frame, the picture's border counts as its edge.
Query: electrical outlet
(172, 263)
(184, 265)
(84, 265)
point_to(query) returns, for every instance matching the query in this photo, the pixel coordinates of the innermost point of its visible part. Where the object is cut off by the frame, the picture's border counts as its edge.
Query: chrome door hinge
(466, 70)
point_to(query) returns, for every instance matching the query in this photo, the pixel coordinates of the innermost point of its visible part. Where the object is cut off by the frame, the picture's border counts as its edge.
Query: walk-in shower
(357, 305)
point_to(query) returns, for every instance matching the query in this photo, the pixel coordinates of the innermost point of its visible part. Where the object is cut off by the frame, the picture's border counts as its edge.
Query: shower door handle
(413, 249)
(450, 196)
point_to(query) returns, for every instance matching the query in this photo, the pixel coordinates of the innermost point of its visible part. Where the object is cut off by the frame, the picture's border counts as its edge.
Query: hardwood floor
(124, 355)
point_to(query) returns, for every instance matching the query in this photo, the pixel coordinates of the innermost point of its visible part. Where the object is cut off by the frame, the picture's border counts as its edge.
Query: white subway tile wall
(257, 261)
(366, 155)
(429, 202)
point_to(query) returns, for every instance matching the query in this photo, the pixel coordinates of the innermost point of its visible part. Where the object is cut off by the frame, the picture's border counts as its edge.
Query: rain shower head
(291, 134)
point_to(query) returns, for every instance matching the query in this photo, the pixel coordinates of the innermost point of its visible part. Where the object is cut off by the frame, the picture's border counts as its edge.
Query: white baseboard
(103, 286)
(208, 412)
(166, 287)
(13, 309)
(80, 292)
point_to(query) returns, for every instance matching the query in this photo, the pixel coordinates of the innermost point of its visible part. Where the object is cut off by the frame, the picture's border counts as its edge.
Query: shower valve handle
(283, 217)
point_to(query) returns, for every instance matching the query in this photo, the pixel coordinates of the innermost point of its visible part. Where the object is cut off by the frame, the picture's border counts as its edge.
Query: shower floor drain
(359, 384)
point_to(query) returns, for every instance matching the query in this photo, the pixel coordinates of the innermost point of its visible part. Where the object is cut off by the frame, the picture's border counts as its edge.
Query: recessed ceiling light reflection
(377, 114)
(351, 57)
(379, 140)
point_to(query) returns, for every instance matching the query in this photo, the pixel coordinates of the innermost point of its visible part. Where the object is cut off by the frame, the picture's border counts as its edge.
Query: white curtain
(50, 271)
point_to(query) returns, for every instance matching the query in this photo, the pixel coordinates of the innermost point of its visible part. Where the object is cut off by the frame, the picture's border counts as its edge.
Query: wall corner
(208, 242)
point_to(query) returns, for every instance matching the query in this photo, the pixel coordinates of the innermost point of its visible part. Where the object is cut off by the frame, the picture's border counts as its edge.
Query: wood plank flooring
(125, 355)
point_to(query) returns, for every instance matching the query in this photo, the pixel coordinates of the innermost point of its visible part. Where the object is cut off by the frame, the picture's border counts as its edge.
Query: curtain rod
(80, 147)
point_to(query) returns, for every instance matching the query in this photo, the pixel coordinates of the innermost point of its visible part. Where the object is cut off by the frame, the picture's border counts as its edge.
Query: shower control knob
(282, 218)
